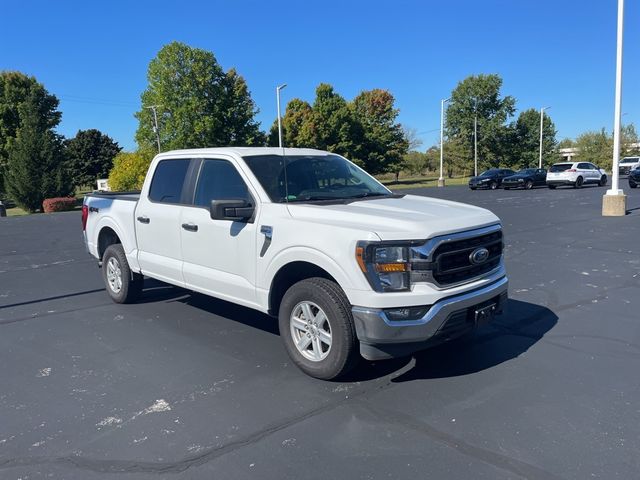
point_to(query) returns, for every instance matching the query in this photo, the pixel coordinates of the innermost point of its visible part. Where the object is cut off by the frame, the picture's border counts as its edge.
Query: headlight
(386, 267)
(485, 180)
(521, 179)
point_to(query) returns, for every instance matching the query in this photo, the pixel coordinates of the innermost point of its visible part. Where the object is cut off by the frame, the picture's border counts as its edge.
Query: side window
(219, 180)
(583, 166)
(168, 181)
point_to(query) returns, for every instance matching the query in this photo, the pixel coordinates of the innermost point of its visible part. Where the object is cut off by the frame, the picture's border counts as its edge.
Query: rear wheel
(552, 187)
(578, 183)
(123, 285)
(317, 328)
(528, 185)
(603, 181)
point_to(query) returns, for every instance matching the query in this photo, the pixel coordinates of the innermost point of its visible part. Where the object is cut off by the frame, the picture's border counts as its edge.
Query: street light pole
(155, 124)
(442, 102)
(278, 88)
(541, 125)
(614, 202)
(475, 139)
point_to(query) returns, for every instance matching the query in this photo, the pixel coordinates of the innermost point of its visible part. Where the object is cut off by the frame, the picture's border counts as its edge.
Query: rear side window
(219, 180)
(168, 181)
(560, 167)
(584, 166)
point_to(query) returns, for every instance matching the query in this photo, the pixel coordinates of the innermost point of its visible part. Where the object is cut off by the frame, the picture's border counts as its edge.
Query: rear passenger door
(540, 176)
(158, 221)
(219, 256)
(586, 171)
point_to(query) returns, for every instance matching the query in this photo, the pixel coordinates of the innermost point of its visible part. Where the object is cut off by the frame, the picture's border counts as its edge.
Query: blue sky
(94, 55)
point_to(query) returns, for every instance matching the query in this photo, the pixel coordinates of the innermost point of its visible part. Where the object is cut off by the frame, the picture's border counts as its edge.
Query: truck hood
(408, 218)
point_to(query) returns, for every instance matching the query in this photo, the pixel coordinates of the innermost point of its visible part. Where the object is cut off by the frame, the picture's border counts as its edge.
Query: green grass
(16, 212)
(422, 181)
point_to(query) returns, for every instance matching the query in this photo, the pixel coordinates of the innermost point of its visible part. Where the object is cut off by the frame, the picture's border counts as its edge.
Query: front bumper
(448, 318)
(479, 185)
(513, 184)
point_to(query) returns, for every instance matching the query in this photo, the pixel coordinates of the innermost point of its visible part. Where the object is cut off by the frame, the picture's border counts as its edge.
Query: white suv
(575, 174)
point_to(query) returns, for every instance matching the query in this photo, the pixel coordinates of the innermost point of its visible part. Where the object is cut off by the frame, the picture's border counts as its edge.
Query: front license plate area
(485, 314)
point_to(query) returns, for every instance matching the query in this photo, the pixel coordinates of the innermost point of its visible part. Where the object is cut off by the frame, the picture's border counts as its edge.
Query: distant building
(103, 185)
(568, 153)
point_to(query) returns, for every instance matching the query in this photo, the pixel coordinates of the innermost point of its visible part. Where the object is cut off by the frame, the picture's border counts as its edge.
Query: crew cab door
(219, 256)
(157, 221)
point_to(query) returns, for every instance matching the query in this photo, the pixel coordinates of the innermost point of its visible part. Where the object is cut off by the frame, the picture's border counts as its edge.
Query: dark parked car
(491, 179)
(526, 178)
(634, 177)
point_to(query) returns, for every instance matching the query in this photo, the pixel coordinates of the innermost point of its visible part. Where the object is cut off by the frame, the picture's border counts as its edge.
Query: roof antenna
(284, 157)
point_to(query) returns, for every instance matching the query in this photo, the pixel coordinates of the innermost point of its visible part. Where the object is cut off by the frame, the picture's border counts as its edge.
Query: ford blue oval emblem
(479, 255)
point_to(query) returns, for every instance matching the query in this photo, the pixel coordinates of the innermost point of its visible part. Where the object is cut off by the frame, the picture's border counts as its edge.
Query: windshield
(489, 173)
(527, 171)
(313, 177)
(560, 167)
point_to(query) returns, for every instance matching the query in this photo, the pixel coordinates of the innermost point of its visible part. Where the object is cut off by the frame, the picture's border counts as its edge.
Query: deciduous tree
(527, 140)
(198, 104)
(479, 96)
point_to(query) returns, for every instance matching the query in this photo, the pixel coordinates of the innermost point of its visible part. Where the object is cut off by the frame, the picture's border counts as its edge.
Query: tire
(493, 185)
(603, 181)
(528, 185)
(472, 188)
(311, 297)
(579, 182)
(633, 184)
(552, 187)
(507, 188)
(122, 285)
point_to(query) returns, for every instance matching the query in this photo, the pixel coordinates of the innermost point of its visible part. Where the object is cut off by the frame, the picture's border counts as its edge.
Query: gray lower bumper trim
(375, 329)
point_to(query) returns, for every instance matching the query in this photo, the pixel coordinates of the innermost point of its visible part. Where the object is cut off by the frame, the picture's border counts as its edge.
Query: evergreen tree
(35, 164)
(90, 156)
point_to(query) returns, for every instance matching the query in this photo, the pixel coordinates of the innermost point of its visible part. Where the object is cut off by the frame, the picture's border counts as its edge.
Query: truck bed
(132, 196)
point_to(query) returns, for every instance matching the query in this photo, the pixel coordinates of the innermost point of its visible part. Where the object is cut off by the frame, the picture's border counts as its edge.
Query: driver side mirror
(233, 210)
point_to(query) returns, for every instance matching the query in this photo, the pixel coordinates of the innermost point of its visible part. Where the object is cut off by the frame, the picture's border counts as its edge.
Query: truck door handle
(191, 227)
(143, 219)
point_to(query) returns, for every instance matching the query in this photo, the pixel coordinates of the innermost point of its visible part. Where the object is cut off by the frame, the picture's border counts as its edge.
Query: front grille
(452, 263)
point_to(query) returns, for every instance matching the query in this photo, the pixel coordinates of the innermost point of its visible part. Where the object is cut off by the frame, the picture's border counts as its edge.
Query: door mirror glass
(235, 210)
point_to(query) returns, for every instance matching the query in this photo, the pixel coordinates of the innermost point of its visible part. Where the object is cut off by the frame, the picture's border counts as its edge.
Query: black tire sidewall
(330, 298)
(131, 285)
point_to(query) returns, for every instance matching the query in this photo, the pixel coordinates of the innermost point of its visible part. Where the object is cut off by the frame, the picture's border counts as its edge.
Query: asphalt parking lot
(184, 386)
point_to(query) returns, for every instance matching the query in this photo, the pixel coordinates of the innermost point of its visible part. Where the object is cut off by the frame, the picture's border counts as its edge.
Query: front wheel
(123, 285)
(317, 328)
(493, 185)
(603, 181)
(633, 184)
(528, 185)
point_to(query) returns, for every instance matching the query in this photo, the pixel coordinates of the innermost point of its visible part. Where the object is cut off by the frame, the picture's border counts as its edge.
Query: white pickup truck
(349, 268)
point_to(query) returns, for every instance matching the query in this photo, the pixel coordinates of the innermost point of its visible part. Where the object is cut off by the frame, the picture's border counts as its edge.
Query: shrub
(129, 170)
(59, 204)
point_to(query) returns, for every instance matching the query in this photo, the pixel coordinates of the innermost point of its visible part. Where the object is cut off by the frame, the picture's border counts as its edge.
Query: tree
(199, 105)
(35, 162)
(129, 170)
(384, 144)
(479, 96)
(527, 139)
(15, 88)
(629, 141)
(297, 113)
(90, 156)
(596, 147)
